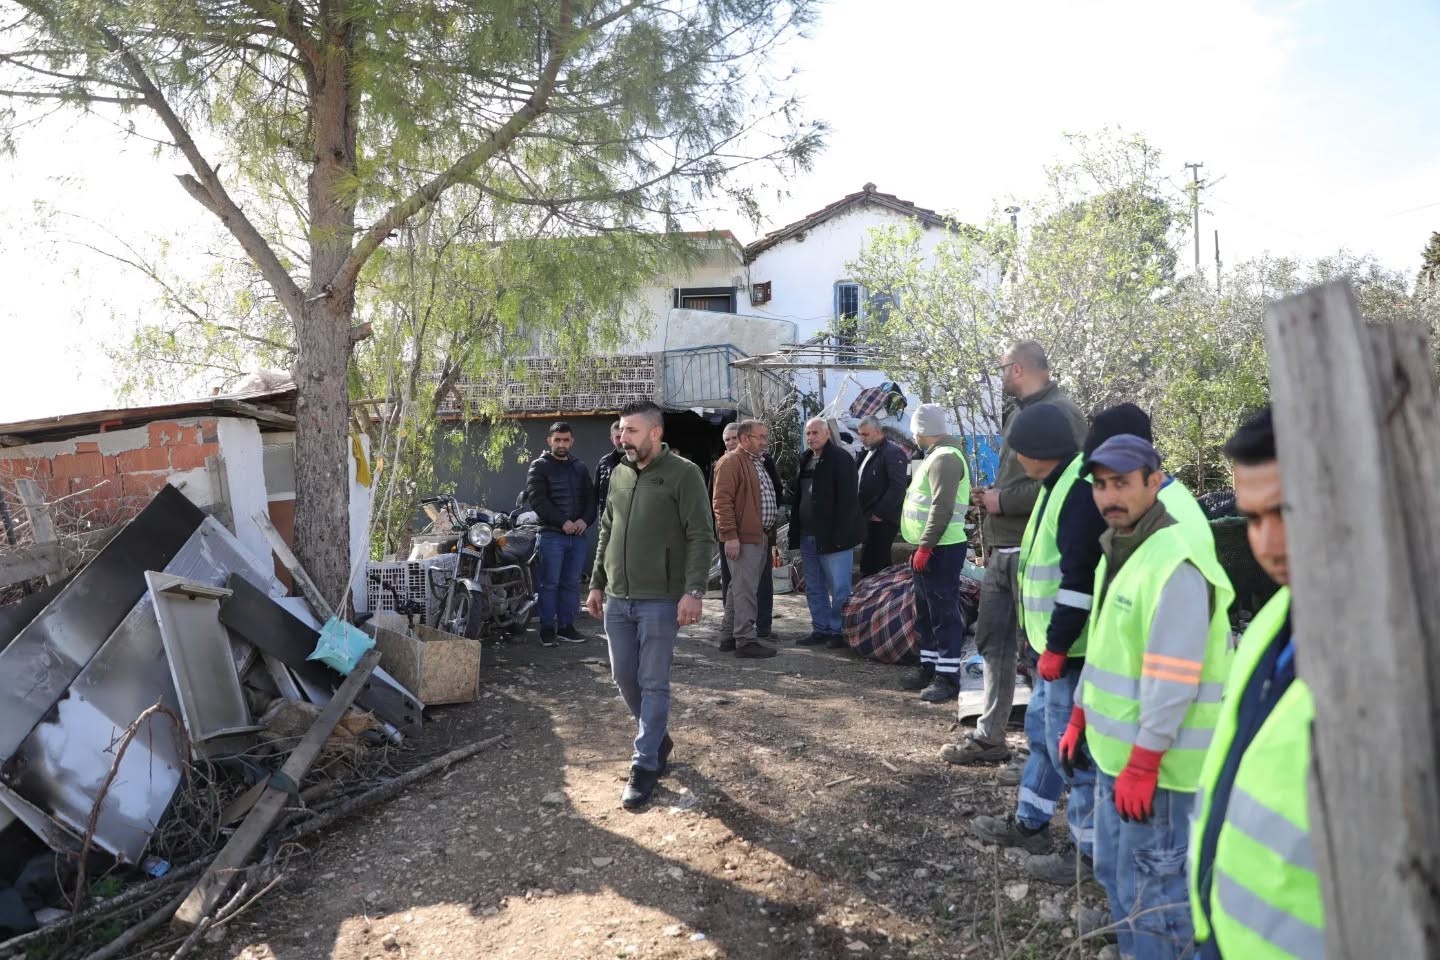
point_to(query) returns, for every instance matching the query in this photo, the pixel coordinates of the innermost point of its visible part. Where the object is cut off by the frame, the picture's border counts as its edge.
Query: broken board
(257, 618)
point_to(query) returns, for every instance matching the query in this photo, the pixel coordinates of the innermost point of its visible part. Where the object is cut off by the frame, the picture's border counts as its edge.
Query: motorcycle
(492, 591)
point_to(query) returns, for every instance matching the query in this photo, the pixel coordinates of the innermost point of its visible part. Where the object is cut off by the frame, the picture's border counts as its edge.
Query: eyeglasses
(1007, 366)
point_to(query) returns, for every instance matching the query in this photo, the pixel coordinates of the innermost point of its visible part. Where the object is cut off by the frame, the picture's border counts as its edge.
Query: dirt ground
(807, 815)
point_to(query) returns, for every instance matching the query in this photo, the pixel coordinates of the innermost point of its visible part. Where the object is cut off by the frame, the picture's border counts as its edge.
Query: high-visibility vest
(1119, 655)
(1265, 901)
(1039, 571)
(1186, 511)
(918, 501)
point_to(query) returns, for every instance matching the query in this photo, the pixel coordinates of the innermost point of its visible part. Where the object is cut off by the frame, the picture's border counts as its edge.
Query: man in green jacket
(1025, 377)
(652, 567)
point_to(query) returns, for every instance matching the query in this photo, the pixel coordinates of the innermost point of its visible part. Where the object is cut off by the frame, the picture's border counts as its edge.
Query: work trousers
(1142, 868)
(765, 596)
(997, 640)
(641, 636)
(742, 599)
(879, 544)
(938, 620)
(1043, 781)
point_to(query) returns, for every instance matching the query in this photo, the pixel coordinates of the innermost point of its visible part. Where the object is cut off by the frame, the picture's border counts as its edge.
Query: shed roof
(272, 409)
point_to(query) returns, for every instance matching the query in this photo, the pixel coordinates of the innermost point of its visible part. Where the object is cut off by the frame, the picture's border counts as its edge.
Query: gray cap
(1124, 453)
(928, 420)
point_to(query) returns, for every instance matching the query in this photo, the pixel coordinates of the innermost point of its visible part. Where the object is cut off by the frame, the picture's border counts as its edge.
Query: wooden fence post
(1358, 430)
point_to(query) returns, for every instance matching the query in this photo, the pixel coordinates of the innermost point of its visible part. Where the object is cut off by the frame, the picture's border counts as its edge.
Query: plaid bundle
(880, 614)
(870, 401)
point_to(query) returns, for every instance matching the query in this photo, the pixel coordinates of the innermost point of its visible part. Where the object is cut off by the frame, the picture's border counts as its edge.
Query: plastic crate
(410, 580)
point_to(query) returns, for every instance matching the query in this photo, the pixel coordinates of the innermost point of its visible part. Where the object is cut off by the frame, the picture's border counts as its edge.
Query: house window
(849, 314)
(714, 299)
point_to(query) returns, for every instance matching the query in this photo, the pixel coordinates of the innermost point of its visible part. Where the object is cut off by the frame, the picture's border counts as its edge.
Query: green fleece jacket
(656, 539)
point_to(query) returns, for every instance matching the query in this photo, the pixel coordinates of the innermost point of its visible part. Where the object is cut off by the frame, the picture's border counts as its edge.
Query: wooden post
(1358, 430)
(42, 526)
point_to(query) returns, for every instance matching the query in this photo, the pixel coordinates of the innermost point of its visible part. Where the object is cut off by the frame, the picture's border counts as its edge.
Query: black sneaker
(812, 640)
(918, 679)
(666, 746)
(727, 645)
(943, 687)
(755, 651)
(836, 641)
(547, 637)
(639, 788)
(570, 635)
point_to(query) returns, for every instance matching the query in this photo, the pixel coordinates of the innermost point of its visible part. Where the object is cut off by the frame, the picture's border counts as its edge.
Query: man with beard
(1150, 695)
(883, 479)
(652, 564)
(559, 490)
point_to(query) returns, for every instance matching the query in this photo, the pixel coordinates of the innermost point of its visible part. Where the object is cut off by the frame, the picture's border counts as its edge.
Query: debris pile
(168, 702)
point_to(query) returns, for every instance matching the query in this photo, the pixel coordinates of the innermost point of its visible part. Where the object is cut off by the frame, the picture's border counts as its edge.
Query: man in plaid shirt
(746, 510)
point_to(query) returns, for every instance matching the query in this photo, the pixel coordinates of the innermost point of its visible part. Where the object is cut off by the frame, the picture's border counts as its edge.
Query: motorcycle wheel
(461, 614)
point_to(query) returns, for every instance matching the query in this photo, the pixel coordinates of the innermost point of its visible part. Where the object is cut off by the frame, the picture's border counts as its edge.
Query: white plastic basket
(410, 578)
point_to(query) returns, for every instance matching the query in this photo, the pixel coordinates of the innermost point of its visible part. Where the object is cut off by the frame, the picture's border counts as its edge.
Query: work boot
(570, 635)
(727, 645)
(547, 637)
(813, 639)
(943, 687)
(639, 788)
(1006, 831)
(974, 751)
(754, 650)
(1063, 868)
(666, 746)
(919, 678)
(1090, 920)
(836, 641)
(1013, 772)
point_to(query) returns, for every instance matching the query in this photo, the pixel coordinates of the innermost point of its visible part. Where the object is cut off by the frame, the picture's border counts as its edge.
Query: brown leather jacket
(736, 499)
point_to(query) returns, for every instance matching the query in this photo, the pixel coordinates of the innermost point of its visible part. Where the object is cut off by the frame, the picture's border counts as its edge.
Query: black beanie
(1123, 418)
(1042, 432)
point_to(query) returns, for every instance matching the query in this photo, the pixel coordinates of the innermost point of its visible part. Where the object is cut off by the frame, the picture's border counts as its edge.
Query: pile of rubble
(173, 658)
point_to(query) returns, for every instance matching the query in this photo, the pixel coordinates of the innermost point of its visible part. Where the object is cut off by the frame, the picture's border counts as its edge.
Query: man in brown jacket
(746, 505)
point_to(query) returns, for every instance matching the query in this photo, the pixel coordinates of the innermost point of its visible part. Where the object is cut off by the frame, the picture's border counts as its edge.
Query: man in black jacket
(559, 490)
(605, 466)
(883, 479)
(825, 525)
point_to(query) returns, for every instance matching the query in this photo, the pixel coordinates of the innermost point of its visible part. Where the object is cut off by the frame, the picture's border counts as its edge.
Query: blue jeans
(642, 646)
(764, 600)
(561, 557)
(1142, 868)
(827, 586)
(1043, 781)
(938, 621)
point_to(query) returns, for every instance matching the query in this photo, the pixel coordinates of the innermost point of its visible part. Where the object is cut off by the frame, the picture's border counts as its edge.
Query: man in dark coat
(884, 476)
(825, 525)
(559, 490)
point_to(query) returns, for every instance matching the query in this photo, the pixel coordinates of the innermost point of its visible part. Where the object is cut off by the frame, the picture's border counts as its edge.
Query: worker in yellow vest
(1149, 696)
(1253, 887)
(1058, 555)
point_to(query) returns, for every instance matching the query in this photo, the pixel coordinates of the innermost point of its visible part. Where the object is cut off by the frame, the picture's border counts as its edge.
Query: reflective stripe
(1269, 829)
(1074, 598)
(1043, 573)
(1284, 930)
(1035, 800)
(1189, 738)
(929, 656)
(1040, 604)
(1122, 686)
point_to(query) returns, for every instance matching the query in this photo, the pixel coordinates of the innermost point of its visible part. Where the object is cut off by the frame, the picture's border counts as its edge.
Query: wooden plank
(287, 557)
(1357, 432)
(42, 560)
(237, 852)
(273, 418)
(42, 525)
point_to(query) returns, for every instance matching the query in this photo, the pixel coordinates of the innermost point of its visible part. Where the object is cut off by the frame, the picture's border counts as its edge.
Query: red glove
(1135, 787)
(1072, 752)
(1052, 665)
(920, 559)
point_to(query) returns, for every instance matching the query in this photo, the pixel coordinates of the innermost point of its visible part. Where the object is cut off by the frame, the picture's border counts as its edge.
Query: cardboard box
(436, 666)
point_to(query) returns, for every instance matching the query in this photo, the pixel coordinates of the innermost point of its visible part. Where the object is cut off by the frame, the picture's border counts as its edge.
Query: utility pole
(1195, 186)
(1217, 263)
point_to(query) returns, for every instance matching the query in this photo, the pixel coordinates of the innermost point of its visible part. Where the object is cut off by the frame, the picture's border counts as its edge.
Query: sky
(1317, 121)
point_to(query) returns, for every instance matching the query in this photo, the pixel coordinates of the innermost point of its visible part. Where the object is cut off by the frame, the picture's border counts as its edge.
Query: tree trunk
(322, 515)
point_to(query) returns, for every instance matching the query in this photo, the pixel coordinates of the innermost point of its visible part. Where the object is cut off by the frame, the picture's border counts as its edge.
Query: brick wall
(108, 478)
